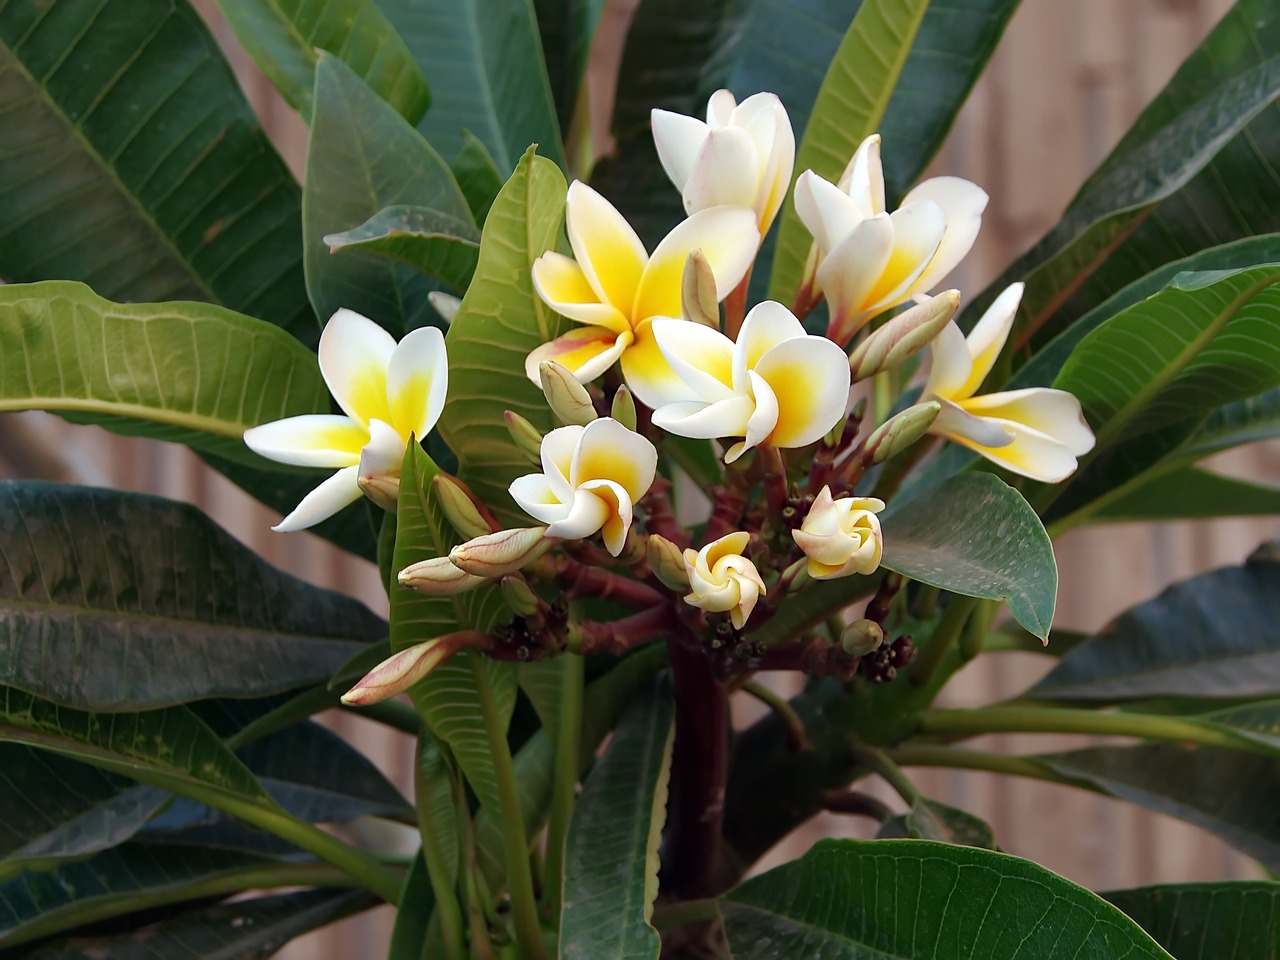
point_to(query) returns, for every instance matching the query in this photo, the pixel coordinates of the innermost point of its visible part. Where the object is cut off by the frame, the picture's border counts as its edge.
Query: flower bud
(861, 637)
(401, 671)
(500, 553)
(524, 435)
(438, 577)
(698, 301)
(624, 408)
(667, 562)
(381, 461)
(519, 596)
(458, 507)
(899, 432)
(841, 537)
(446, 304)
(906, 334)
(568, 399)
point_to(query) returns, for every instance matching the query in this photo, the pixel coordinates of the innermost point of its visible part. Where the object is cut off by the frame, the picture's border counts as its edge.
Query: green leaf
(1208, 921)
(611, 861)
(931, 820)
(137, 877)
(850, 104)
(1111, 206)
(478, 176)
(918, 900)
(1207, 339)
(363, 157)
(483, 61)
(193, 373)
(500, 321)
(567, 28)
(975, 535)
(542, 682)
(413, 914)
(1191, 494)
(1245, 421)
(256, 927)
(285, 36)
(431, 242)
(132, 162)
(1209, 636)
(117, 601)
(447, 699)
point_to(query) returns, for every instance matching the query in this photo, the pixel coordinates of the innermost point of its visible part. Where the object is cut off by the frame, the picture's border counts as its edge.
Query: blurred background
(1066, 81)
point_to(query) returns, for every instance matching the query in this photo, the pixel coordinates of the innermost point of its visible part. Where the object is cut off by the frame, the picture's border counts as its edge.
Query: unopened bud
(524, 435)
(458, 507)
(568, 399)
(624, 408)
(446, 304)
(519, 596)
(381, 461)
(500, 553)
(698, 299)
(903, 336)
(796, 575)
(438, 577)
(667, 563)
(897, 433)
(401, 671)
(861, 637)
(381, 489)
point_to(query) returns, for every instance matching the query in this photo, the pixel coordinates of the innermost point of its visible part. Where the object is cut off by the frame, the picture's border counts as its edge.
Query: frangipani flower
(1037, 432)
(869, 261)
(776, 385)
(617, 289)
(721, 579)
(742, 156)
(388, 393)
(591, 479)
(841, 537)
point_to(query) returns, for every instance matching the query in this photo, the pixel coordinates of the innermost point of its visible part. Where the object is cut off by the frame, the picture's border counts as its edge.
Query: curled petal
(609, 451)
(763, 419)
(678, 139)
(417, 382)
(621, 511)
(438, 577)
(534, 495)
(863, 178)
(700, 356)
(587, 514)
(562, 285)
(1029, 453)
(1054, 413)
(726, 172)
(962, 202)
(354, 355)
(324, 501)
(706, 421)
(312, 440)
(765, 118)
(585, 351)
(728, 238)
(610, 254)
(825, 210)
(557, 451)
(809, 376)
(988, 336)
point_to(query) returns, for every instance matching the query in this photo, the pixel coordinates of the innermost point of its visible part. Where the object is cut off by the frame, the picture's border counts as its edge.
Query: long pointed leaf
(1208, 921)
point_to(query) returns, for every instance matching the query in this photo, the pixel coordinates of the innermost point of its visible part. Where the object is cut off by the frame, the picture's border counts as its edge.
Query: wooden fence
(1067, 80)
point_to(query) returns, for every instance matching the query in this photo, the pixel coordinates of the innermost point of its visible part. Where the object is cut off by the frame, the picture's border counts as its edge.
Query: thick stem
(524, 906)
(619, 636)
(568, 744)
(775, 483)
(582, 580)
(735, 307)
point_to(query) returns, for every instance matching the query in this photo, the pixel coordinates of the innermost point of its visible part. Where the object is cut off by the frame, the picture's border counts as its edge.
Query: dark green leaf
(1191, 494)
(918, 900)
(132, 162)
(542, 682)
(483, 61)
(362, 158)
(500, 321)
(1208, 921)
(1210, 636)
(477, 175)
(285, 36)
(413, 914)
(567, 28)
(431, 242)
(120, 601)
(611, 861)
(254, 928)
(930, 820)
(976, 536)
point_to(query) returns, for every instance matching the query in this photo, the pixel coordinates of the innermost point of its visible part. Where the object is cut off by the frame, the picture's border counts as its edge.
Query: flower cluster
(674, 324)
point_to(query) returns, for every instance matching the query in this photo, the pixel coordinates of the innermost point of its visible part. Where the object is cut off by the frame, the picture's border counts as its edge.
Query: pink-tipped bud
(401, 671)
(438, 577)
(903, 336)
(497, 554)
(901, 431)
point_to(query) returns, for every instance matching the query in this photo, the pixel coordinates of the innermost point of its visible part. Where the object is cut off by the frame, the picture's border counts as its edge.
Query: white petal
(678, 139)
(1029, 453)
(951, 366)
(720, 107)
(728, 238)
(987, 338)
(775, 141)
(609, 451)
(621, 511)
(825, 210)
(702, 357)
(417, 382)
(648, 374)
(1054, 413)
(963, 203)
(848, 273)
(863, 178)
(534, 495)
(383, 455)
(918, 229)
(587, 514)
(809, 378)
(607, 249)
(726, 172)
(765, 326)
(765, 416)
(324, 501)
(706, 421)
(958, 424)
(312, 440)
(354, 355)
(558, 448)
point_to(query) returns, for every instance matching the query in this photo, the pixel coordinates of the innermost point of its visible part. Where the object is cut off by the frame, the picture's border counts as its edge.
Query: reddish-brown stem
(727, 515)
(878, 606)
(618, 636)
(579, 579)
(816, 657)
(775, 483)
(735, 307)
(660, 517)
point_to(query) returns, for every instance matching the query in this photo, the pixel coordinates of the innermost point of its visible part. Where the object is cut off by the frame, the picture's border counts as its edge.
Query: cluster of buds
(773, 395)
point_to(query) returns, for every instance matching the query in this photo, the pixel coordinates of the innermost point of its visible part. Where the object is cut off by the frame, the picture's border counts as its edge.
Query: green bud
(698, 291)
(861, 637)
(897, 433)
(524, 435)
(519, 596)
(624, 408)
(796, 576)
(667, 563)
(458, 507)
(568, 399)
(904, 335)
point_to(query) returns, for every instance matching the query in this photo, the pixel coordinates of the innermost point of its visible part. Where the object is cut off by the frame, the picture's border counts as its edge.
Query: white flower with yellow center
(388, 393)
(869, 261)
(841, 537)
(592, 477)
(721, 578)
(616, 288)
(1037, 432)
(776, 385)
(742, 156)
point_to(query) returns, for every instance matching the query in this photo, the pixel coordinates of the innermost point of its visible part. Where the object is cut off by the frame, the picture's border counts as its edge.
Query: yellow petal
(810, 378)
(609, 451)
(563, 287)
(610, 254)
(1054, 413)
(702, 357)
(849, 272)
(728, 238)
(1030, 454)
(962, 202)
(951, 366)
(988, 337)
(417, 382)
(765, 326)
(727, 546)
(648, 374)
(918, 230)
(354, 355)
(587, 352)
